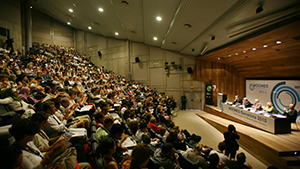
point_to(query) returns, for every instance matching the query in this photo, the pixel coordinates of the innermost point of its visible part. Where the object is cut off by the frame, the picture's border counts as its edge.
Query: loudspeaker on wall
(137, 59)
(189, 70)
(99, 54)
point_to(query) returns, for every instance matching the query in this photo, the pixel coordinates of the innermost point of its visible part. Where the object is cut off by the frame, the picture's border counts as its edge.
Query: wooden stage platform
(280, 150)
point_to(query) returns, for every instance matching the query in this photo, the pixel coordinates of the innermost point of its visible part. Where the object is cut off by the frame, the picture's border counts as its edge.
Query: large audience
(54, 90)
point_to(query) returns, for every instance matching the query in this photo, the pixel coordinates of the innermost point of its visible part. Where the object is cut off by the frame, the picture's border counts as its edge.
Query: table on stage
(276, 124)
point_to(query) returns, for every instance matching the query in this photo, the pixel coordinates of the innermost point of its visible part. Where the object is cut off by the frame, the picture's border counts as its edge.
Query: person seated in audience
(162, 133)
(194, 139)
(117, 134)
(219, 152)
(165, 156)
(99, 117)
(40, 95)
(269, 109)
(195, 156)
(142, 130)
(246, 103)
(153, 126)
(214, 162)
(23, 131)
(134, 126)
(239, 163)
(24, 94)
(11, 98)
(146, 139)
(108, 148)
(103, 131)
(139, 158)
(11, 157)
(177, 141)
(291, 113)
(237, 100)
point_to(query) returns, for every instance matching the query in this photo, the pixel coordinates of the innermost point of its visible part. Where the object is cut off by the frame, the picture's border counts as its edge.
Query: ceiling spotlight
(74, 5)
(187, 25)
(213, 38)
(236, 53)
(30, 7)
(68, 23)
(100, 9)
(154, 38)
(244, 51)
(158, 18)
(265, 46)
(259, 9)
(166, 63)
(253, 48)
(116, 33)
(229, 55)
(89, 27)
(133, 32)
(174, 43)
(278, 42)
(193, 50)
(70, 10)
(219, 58)
(173, 63)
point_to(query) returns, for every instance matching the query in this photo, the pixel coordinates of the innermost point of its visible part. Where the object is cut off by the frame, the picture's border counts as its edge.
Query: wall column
(28, 24)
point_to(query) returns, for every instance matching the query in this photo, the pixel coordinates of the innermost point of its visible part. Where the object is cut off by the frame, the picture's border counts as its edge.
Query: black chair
(186, 163)
(152, 164)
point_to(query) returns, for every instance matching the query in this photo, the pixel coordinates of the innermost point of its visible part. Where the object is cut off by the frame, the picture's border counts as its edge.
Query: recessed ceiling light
(158, 18)
(30, 7)
(116, 33)
(125, 2)
(244, 51)
(68, 23)
(253, 48)
(236, 53)
(100, 9)
(187, 25)
(265, 46)
(74, 5)
(229, 55)
(154, 38)
(278, 42)
(219, 58)
(70, 10)
(89, 27)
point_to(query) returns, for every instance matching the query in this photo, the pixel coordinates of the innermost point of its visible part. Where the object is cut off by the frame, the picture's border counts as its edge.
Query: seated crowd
(53, 89)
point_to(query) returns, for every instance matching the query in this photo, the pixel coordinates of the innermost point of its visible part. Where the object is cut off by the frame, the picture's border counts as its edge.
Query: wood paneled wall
(226, 78)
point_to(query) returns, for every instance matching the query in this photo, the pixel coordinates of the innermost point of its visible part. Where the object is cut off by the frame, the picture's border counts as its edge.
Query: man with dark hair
(165, 156)
(219, 152)
(103, 131)
(241, 159)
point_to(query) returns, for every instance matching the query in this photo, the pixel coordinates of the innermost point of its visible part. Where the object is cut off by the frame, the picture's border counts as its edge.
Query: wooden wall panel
(226, 77)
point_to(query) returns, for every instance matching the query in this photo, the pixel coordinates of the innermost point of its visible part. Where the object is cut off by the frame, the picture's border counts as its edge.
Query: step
(292, 160)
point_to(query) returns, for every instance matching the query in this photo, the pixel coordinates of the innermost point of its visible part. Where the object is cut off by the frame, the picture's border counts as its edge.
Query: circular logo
(251, 87)
(208, 88)
(280, 93)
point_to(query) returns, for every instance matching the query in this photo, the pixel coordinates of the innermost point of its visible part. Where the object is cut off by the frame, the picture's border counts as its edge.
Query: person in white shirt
(219, 152)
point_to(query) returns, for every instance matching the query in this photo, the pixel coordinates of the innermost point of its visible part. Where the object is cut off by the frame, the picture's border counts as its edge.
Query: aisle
(210, 136)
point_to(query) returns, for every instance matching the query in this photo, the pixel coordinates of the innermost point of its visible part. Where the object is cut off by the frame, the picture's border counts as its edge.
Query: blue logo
(281, 88)
(258, 86)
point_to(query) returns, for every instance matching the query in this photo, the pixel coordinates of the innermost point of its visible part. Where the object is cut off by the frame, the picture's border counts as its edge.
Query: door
(194, 100)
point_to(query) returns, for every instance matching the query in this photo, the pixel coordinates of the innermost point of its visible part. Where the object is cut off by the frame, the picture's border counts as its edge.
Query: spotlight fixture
(158, 18)
(116, 33)
(68, 23)
(89, 27)
(265, 46)
(30, 7)
(244, 51)
(100, 9)
(236, 53)
(219, 58)
(166, 63)
(193, 50)
(259, 9)
(278, 42)
(70, 10)
(229, 55)
(172, 63)
(154, 38)
(253, 48)
(213, 38)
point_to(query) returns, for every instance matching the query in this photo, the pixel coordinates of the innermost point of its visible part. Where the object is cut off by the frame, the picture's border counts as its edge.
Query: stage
(280, 150)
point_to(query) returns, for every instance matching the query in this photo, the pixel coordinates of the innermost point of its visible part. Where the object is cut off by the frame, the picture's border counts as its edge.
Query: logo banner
(280, 92)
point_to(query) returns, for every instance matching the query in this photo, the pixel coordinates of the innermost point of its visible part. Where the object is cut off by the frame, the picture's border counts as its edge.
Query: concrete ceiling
(225, 20)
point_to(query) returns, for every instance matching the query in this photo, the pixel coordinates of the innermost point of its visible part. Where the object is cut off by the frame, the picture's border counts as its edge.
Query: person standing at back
(230, 137)
(183, 102)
